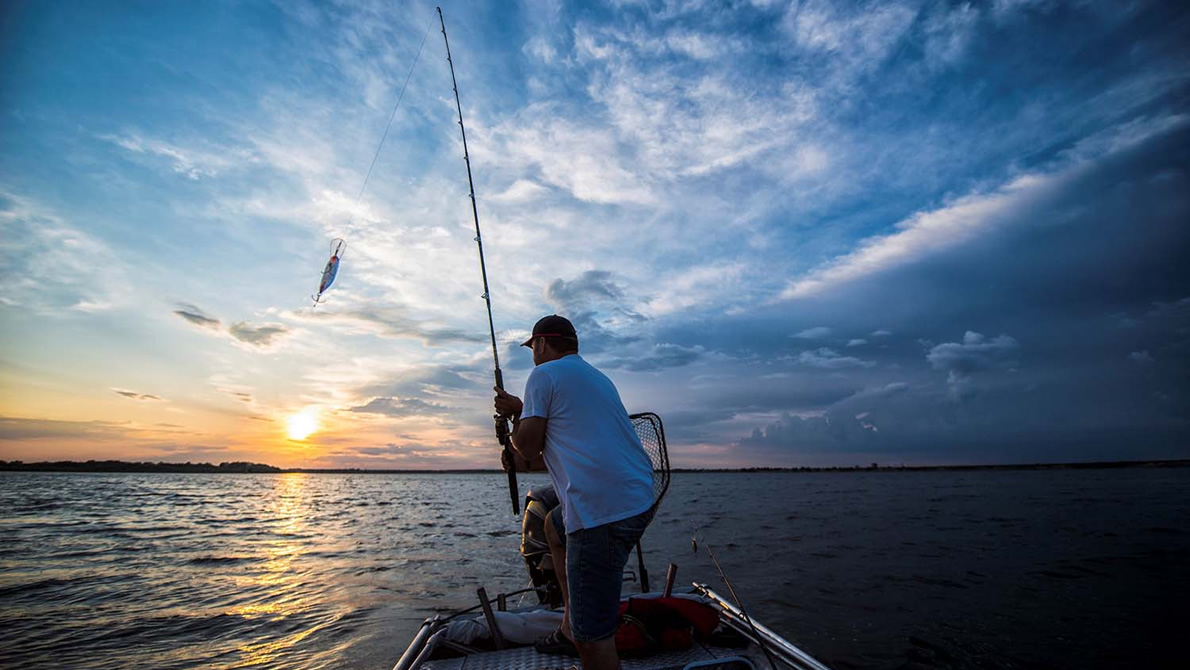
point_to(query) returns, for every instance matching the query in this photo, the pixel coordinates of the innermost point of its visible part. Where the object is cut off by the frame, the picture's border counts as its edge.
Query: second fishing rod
(501, 422)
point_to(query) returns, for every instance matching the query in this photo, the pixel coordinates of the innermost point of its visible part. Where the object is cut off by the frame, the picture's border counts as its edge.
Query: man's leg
(599, 655)
(596, 568)
(558, 555)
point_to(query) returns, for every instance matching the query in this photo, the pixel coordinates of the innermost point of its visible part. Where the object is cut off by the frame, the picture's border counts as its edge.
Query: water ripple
(879, 570)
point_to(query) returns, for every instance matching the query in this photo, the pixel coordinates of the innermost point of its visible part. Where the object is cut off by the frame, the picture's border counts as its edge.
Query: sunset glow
(803, 233)
(303, 424)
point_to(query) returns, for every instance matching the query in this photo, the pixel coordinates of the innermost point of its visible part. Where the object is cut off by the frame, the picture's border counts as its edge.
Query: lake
(886, 569)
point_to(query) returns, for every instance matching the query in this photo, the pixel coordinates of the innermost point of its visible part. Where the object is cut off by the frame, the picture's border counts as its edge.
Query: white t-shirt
(599, 468)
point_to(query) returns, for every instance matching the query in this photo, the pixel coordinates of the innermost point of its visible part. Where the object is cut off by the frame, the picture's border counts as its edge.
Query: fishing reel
(504, 435)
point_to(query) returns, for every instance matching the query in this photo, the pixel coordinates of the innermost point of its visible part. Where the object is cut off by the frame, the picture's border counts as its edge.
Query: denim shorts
(595, 560)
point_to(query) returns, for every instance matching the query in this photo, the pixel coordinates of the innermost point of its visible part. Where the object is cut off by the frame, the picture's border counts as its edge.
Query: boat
(491, 636)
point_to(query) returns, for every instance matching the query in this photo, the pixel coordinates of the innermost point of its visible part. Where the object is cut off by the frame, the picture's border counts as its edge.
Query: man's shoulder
(568, 365)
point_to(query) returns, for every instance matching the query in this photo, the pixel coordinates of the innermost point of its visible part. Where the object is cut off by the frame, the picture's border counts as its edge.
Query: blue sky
(808, 233)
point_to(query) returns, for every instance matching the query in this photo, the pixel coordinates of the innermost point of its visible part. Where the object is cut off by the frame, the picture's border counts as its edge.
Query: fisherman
(573, 418)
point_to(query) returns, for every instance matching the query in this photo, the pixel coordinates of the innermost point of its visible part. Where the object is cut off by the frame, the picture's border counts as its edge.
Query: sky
(805, 234)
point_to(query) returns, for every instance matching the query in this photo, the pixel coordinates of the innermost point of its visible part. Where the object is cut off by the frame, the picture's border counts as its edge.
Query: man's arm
(528, 436)
(510, 458)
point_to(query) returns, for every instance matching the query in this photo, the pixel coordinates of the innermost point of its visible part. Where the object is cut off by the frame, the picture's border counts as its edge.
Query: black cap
(551, 326)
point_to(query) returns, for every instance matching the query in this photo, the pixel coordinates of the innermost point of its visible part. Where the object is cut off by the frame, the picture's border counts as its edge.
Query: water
(1027, 569)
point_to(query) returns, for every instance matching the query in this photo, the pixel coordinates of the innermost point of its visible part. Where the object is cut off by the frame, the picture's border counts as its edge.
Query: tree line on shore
(247, 467)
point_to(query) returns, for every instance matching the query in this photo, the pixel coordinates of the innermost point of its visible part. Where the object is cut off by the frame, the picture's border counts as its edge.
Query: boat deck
(527, 658)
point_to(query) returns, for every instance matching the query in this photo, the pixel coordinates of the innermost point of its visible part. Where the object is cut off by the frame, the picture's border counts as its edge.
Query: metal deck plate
(527, 658)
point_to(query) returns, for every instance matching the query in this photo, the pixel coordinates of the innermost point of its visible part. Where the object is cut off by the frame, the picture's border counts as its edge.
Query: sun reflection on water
(280, 575)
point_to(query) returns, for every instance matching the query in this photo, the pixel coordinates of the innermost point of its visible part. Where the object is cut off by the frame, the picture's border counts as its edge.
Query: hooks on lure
(338, 246)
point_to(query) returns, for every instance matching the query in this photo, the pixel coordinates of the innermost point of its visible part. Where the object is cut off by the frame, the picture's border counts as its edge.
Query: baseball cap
(551, 326)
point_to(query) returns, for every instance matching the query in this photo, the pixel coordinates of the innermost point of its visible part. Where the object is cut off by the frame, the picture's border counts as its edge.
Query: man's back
(594, 457)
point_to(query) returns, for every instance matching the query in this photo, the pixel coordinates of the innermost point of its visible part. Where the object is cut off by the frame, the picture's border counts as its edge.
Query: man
(573, 418)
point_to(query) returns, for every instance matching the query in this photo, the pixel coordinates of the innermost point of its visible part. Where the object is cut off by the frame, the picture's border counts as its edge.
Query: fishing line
(734, 595)
(389, 125)
(338, 244)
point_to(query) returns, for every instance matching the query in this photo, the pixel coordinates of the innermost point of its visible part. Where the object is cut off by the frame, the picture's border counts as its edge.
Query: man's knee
(551, 531)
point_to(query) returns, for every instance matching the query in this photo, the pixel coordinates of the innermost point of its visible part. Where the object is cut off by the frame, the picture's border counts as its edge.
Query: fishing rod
(503, 434)
(731, 589)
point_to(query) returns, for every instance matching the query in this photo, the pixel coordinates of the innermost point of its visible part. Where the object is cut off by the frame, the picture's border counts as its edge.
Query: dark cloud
(695, 425)
(17, 428)
(976, 353)
(432, 380)
(136, 396)
(197, 317)
(973, 354)
(401, 407)
(192, 452)
(389, 449)
(1065, 302)
(394, 322)
(816, 333)
(591, 286)
(829, 359)
(259, 336)
(597, 306)
(1142, 358)
(659, 357)
(1005, 423)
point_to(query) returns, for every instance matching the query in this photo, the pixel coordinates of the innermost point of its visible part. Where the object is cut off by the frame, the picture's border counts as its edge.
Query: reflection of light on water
(259, 609)
(281, 584)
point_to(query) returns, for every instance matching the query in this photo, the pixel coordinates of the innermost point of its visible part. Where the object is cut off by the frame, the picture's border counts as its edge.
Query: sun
(302, 424)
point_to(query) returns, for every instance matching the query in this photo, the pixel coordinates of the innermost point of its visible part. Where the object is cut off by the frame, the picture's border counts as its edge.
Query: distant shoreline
(261, 468)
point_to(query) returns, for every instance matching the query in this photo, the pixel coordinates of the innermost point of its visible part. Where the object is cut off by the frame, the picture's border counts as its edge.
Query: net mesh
(652, 438)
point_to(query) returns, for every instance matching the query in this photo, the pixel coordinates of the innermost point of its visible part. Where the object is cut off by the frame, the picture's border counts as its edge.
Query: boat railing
(783, 649)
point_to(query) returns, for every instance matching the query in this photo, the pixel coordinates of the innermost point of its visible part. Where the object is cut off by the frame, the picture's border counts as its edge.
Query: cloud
(197, 317)
(705, 286)
(401, 407)
(53, 266)
(389, 449)
(948, 32)
(816, 333)
(520, 192)
(136, 396)
(929, 233)
(20, 428)
(590, 287)
(659, 357)
(258, 336)
(1141, 358)
(585, 161)
(857, 342)
(389, 321)
(828, 359)
(976, 353)
(849, 43)
(191, 163)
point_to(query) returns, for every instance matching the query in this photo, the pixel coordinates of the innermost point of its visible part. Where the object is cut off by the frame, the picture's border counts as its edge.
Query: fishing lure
(338, 246)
